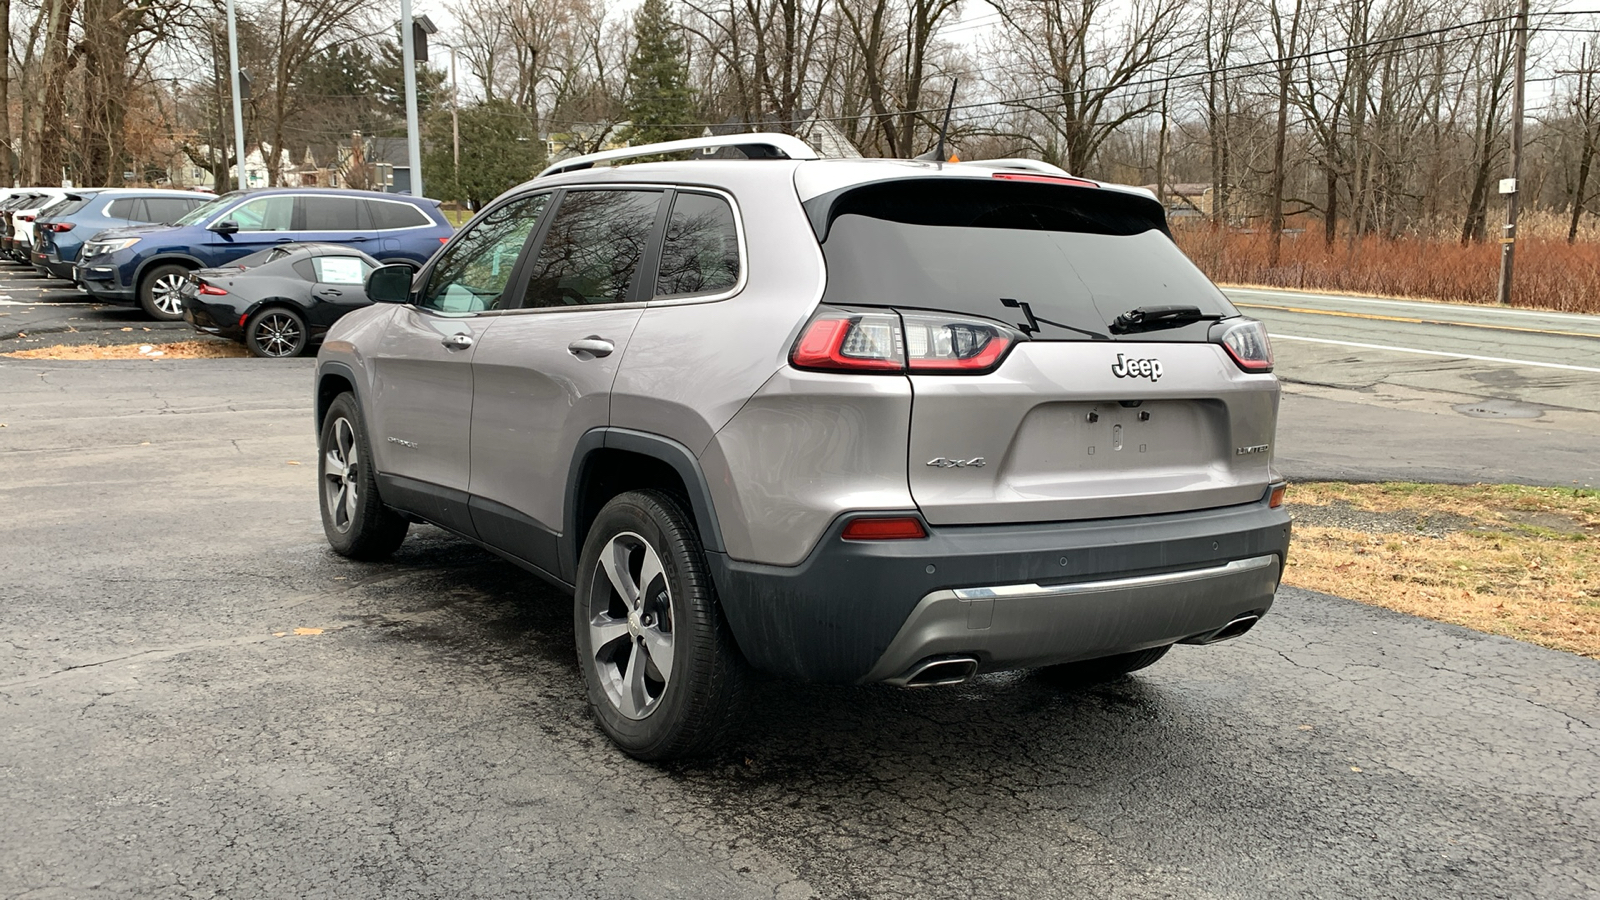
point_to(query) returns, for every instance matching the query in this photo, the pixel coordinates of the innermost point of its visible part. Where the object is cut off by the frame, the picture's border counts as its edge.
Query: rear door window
(388, 215)
(166, 209)
(592, 252)
(700, 249)
(330, 213)
(1056, 261)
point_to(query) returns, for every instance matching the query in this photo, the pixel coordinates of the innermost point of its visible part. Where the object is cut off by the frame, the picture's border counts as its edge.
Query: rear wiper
(1031, 327)
(1151, 318)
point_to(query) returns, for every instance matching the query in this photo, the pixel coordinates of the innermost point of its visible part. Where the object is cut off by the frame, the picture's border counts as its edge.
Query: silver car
(836, 420)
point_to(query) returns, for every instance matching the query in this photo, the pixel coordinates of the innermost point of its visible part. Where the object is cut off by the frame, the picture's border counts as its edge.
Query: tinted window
(700, 251)
(330, 213)
(167, 209)
(73, 204)
(121, 208)
(387, 214)
(1070, 259)
(593, 248)
(264, 214)
(472, 272)
(206, 209)
(341, 269)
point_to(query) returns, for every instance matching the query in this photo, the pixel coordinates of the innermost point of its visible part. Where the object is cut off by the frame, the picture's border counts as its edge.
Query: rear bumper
(1012, 596)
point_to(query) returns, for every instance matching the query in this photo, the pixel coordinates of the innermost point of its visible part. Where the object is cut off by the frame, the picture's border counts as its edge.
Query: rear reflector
(1275, 499)
(1046, 179)
(884, 528)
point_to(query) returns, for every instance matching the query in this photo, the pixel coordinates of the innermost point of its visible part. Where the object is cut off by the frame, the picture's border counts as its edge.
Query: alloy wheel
(630, 625)
(279, 334)
(167, 294)
(341, 468)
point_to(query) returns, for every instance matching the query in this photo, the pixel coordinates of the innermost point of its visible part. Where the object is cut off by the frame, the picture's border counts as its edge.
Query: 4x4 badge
(939, 462)
(1137, 368)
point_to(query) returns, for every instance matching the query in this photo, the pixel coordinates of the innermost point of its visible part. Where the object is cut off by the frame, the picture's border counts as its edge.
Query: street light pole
(408, 52)
(1508, 241)
(238, 107)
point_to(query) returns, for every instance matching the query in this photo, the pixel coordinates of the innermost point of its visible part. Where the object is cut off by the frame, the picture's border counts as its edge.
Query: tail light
(61, 226)
(207, 287)
(26, 218)
(1247, 343)
(882, 342)
(444, 240)
(884, 528)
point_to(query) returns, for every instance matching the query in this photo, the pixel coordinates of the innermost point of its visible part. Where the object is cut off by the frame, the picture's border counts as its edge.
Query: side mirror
(390, 284)
(226, 226)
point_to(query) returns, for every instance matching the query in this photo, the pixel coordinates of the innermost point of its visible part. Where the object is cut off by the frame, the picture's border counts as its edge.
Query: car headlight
(95, 248)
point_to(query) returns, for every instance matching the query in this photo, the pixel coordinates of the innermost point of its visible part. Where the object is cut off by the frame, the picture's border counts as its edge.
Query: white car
(22, 220)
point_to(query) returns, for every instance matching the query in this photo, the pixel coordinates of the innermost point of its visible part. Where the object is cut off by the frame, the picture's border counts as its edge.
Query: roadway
(1380, 389)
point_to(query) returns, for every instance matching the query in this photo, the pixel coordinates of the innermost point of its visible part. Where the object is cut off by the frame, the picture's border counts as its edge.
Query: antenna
(945, 128)
(937, 154)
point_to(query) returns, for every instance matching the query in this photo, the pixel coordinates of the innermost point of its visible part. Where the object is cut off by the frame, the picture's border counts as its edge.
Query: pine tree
(658, 77)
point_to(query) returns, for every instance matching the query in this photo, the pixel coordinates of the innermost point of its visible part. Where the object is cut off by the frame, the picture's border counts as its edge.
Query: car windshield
(204, 211)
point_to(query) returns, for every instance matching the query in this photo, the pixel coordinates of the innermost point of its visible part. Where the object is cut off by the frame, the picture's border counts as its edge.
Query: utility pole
(455, 117)
(238, 106)
(1509, 187)
(408, 60)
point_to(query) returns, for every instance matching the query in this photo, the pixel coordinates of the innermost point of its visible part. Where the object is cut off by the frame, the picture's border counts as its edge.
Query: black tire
(1106, 668)
(354, 518)
(276, 332)
(689, 705)
(158, 292)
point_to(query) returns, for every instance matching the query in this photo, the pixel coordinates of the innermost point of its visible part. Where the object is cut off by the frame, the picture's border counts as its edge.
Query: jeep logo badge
(1137, 368)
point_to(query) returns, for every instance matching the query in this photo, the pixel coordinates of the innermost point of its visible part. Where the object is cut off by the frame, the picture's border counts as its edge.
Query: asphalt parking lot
(200, 700)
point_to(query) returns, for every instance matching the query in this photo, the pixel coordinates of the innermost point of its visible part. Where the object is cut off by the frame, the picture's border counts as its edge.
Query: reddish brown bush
(1550, 274)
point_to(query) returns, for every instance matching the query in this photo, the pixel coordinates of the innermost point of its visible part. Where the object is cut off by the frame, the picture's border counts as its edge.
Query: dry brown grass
(1550, 273)
(197, 349)
(1503, 559)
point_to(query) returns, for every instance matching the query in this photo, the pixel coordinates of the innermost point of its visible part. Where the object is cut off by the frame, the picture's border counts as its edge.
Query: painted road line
(1594, 336)
(1495, 359)
(1418, 304)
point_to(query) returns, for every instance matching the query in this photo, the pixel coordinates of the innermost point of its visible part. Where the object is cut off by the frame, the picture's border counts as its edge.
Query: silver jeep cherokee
(837, 420)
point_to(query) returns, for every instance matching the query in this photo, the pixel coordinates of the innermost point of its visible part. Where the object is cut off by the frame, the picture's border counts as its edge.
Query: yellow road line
(1414, 321)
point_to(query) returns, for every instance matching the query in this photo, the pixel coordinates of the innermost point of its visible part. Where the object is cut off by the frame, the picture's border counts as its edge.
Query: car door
(338, 286)
(263, 222)
(543, 376)
(421, 372)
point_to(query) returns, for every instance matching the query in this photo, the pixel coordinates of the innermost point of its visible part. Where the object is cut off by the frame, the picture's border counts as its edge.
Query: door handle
(458, 341)
(330, 292)
(594, 345)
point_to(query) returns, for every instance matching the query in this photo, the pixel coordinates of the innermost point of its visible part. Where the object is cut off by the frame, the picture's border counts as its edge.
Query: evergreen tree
(658, 77)
(499, 150)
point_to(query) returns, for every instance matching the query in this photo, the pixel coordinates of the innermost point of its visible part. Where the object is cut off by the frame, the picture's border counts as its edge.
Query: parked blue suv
(148, 265)
(59, 236)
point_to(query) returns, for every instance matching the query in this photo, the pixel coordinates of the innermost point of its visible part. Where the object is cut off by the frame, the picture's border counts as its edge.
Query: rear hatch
(1083, 416)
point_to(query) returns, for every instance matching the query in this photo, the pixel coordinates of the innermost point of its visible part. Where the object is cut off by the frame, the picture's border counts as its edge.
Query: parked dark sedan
(280, 301)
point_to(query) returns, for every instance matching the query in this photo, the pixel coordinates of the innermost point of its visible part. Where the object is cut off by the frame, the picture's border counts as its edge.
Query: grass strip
(1523, 562)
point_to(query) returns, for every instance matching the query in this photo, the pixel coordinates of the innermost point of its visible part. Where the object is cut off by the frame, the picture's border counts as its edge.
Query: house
(1184, 200)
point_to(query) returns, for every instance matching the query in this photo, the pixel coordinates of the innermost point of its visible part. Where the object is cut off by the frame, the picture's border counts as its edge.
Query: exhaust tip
(1233, 629)
(938, 671)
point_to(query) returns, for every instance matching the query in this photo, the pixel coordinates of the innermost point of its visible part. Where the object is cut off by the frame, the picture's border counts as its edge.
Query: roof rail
(1032, 165)
(773, 146)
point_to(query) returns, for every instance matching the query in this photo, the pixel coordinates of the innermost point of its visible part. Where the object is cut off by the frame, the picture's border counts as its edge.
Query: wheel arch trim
(345, 372)
(675, 455)
(163, 258)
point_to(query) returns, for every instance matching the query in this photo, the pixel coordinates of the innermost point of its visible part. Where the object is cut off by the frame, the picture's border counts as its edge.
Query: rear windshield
(1056, 261)
(74, 203)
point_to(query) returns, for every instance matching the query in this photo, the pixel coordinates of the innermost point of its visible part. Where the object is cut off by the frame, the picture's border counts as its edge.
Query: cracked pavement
(169, 734)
